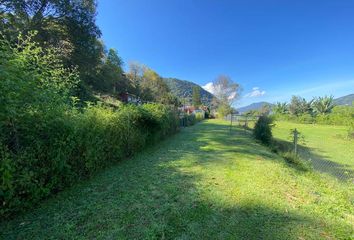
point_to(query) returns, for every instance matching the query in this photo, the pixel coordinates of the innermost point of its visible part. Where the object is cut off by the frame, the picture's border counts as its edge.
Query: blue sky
(273, 49)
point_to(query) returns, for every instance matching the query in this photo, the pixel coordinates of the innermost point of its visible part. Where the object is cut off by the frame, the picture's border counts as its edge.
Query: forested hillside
(183, 90)
(345, 100)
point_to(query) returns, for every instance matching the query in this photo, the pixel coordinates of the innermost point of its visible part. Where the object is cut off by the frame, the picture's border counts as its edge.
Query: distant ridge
(183, 90)
(253, 106)
(345, 100)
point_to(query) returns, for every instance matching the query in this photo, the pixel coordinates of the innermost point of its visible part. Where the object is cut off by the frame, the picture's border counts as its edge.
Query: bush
(263, 129)
(57, 151)
(46, 142)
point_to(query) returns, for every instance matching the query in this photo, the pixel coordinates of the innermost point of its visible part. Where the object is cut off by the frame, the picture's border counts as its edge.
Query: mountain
(253, 106)
(345, 100)
(183, 90)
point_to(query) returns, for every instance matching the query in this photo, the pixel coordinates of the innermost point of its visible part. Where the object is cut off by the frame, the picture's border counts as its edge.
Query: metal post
(295, 140)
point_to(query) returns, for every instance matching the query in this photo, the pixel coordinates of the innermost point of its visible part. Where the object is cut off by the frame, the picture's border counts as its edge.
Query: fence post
(295, 140)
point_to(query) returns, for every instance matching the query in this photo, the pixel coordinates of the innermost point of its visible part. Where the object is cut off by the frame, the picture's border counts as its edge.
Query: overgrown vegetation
(46, 141)
(262, 131)
(319, 110)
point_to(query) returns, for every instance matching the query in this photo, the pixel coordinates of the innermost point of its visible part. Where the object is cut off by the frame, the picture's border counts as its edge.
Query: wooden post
(295, 140)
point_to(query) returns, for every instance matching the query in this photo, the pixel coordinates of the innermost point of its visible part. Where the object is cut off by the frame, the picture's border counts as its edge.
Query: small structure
(129, 98)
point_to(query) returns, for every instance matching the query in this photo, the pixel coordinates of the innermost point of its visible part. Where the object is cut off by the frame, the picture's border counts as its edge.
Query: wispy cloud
(256, 92)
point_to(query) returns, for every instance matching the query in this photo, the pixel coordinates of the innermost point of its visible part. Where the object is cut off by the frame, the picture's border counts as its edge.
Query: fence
(312, 149)
(241, 120)
(319, 160)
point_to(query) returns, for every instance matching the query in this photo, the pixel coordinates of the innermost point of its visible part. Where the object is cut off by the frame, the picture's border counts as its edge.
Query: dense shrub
(191, 119)
(46, 142)
(263, 129)
(59, 150)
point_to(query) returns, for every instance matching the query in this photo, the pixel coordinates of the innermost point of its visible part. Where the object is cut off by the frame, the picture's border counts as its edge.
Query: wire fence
(341, 167)
(241, 120)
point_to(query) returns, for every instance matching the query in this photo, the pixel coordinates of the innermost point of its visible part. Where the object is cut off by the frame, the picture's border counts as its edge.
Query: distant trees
(148, 85)
(280, 108)
(196, 96)
(323, 105)
(318, 110)
(227, 92)
(299, 106)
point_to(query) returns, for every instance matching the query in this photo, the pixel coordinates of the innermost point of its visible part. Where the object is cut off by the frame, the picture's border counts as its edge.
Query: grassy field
(327, 147)
(203, 183)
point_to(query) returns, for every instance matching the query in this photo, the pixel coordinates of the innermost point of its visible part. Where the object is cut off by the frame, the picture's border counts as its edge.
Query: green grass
(327, 147)
(203, 183)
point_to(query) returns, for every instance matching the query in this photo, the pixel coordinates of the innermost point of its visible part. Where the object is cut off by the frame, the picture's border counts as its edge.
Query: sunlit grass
(326, 146)
(204, 183)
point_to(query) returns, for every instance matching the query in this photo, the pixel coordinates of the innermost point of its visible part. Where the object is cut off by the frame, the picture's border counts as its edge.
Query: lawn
(327, 147)
(203, 183)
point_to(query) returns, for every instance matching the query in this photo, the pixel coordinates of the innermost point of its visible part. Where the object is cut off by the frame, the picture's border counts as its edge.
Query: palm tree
(323, 105)
(281, 108)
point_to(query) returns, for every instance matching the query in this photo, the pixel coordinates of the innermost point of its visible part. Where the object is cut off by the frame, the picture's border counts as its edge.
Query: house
(129, 98)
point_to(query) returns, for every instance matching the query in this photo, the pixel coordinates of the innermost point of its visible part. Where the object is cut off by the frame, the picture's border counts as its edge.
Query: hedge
(57, 151)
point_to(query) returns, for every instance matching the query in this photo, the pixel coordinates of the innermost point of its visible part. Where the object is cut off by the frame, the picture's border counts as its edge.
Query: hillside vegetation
(345, 100)
(183, 90)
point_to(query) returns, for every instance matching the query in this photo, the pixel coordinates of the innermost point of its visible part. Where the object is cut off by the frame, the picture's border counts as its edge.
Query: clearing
(202, 183)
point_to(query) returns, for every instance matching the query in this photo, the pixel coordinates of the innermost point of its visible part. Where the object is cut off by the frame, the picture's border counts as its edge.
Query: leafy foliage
(46, 142)
(299, 106)
(184, 91)
(323, 105)
(280, 108)
(196, 97)
(67, 25)
(263, 129)
(149, 86)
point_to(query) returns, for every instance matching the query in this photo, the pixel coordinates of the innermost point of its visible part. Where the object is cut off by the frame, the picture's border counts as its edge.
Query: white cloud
(256, 92)
(209, 87)
(232, 96)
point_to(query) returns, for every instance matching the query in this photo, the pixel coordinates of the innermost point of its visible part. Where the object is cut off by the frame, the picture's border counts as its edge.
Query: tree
(227, 92)
(323, 105)
(63, 24)
(111, 78)
(280, 108)
(196, 96)
(265, 110)
(149, 86)
(299, 106)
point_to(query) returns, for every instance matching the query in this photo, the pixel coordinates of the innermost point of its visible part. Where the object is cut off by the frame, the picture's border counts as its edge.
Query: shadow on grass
(342, 172)
(151, 197)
